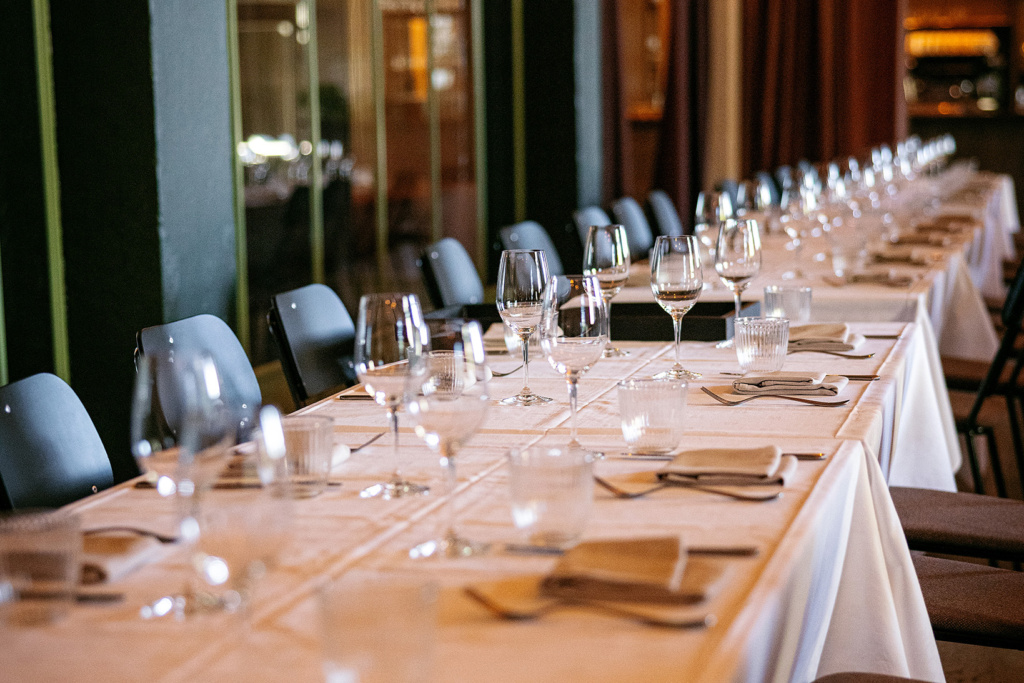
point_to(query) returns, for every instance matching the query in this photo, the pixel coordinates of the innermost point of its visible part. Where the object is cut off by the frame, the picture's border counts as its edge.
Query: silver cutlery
(798, 399)
(722, 551)
(699, 621)
(367, 443)
(756, 496)
(852, 378)
(834, 353)
(163, 538)
(669, 456)
(506, 374)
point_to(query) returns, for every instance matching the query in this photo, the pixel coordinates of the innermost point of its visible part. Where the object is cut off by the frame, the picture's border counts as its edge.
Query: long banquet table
(832, 587)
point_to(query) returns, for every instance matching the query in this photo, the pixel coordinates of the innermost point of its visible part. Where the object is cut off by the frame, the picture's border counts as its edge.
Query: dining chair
(773, 187)
(628, 213)
(315, 336)
(587, 216)
(531, 235)
(864, 677)
(208, 333)
(730, 186)
(450, 275)
(666, 217)
(50, 451)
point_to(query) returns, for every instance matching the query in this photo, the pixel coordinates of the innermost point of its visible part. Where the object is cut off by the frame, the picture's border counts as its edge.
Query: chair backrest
(450, 275)
(638, 231)
(1012, 315)
(587, 216)
(773, 188)
(316, 337)
(50, 452)
(666, 217)
(729, 186)
(530, 235)
(209, 334)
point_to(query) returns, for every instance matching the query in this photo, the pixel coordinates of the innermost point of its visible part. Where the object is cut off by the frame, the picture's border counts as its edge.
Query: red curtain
(821, 79)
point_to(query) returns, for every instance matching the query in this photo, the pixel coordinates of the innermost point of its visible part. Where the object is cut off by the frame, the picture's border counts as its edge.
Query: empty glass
(522, 277)
(391, 340)
(552, 492)
(39, 566)
(738, 259)
(782, 301)
(712, 209)
(309, 445)
(651, 412)
(761, 343)
(677, 281)
(606, 256)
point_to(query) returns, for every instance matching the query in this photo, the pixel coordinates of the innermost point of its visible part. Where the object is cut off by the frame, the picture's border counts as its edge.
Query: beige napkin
(109, 556)
(823, 337)
(653, 570)
(791, 383)
(730, 467)
(887, 279)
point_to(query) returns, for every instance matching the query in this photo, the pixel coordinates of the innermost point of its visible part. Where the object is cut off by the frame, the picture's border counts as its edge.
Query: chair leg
(1018, 447)
(972, 459)
(993, 457)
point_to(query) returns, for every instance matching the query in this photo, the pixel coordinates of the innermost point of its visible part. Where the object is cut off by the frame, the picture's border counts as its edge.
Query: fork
(367, 443)
(834, 353)
(163, 538)
(699, 621)
(506, 374)
(757, 496)
(798, 399)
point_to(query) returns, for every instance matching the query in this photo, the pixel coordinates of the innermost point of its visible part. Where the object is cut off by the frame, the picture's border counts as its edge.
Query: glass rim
(560, 455)
(788, 288)
(774, 320)
(633, 382)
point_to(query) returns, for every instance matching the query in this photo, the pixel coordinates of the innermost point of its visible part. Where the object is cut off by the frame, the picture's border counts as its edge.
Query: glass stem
(736, 292)
(526, 365)
(573, 379)
(677, 325)
(396, 475)
(448, 464)
(608, 322)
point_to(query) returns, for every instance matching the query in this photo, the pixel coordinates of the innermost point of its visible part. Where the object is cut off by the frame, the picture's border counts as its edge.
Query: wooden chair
(316, 338)
(50, 452)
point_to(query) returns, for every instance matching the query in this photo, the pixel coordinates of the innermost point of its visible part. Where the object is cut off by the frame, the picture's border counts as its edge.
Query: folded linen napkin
(652, 570)
(791, 383)
(823, 337)
(112, 555)
(884, 278)
(730, 467)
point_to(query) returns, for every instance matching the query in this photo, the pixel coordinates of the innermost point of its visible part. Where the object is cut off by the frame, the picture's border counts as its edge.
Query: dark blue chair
(316, 339)
(666, 217)
(638, 231)
(450, 275)
(769, 182)
(587, 216)
(729, 186)
(209, 334)
(530, 235)
(50, 452)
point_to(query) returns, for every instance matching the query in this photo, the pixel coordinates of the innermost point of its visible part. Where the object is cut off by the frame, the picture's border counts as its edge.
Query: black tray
(706, 321)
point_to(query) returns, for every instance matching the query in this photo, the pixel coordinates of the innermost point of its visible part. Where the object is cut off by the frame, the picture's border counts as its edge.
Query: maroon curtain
(617, 150)
(821, 79)
(679, 167)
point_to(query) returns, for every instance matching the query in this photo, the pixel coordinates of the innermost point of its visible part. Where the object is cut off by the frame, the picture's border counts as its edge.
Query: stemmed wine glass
(738, 258)
(572, 332)
(522, 277)
(391, 341)
(677, 281)
(712, 209)
(606, 256)
(448, 407)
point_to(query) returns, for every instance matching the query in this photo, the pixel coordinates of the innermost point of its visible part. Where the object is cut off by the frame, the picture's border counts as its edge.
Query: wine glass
(738, 256)
(796, 224)
(712, 208)
(180, 429)
(522, 277)
(572, 332)
(391, 340)
(448, 407)
(606, 256)
(677, 281)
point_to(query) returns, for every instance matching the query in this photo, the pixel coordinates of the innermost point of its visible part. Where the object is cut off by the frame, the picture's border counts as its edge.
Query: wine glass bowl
(522, 279)
(711, 210)
(738, 256)
(391, 341)
(606, 257)
(447, 408)
(677, 280)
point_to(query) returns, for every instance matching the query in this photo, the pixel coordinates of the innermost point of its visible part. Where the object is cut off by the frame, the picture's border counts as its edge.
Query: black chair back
(50, 452)
(666, 217)
(587, 216)
(773, 188)
(730, 187)
(530, 235)
(209, 334)
(638, 231)
(316, 338)
(450, 275)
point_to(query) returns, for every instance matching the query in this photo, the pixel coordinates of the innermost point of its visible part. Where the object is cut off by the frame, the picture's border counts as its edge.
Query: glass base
(450, 547)
(793, 275)
(678, 372)
(726, 344)
(525, 400)
(394, 489)
(614, 352)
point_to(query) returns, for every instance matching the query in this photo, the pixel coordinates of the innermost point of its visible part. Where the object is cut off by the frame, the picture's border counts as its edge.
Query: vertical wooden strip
(518, 112)
(51, 191)
(479, 130)
(238, 180)
(316, 187)
(377, 50)
(434, 124)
